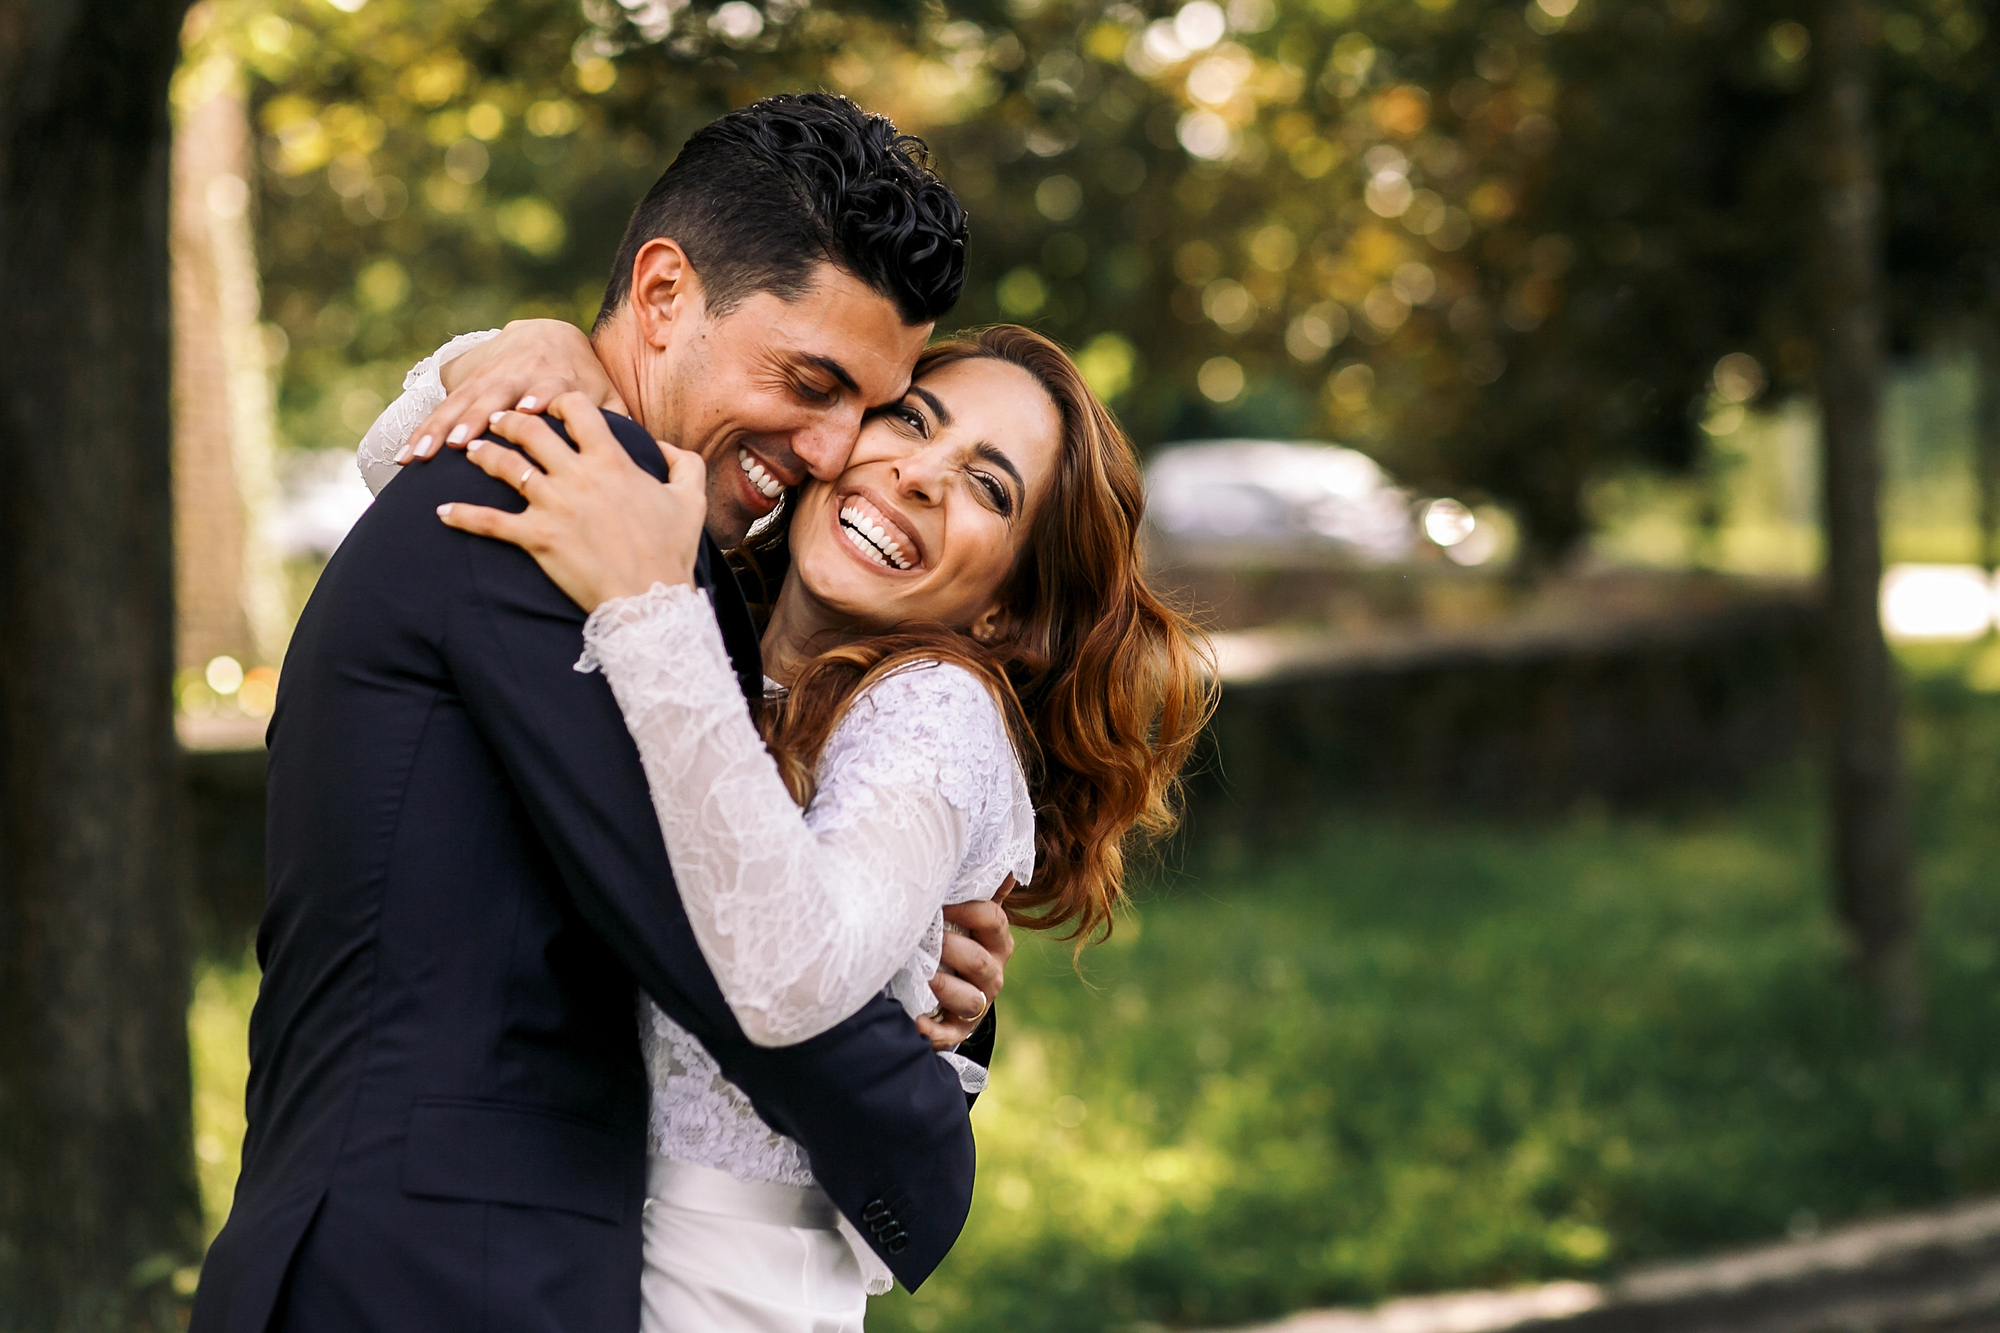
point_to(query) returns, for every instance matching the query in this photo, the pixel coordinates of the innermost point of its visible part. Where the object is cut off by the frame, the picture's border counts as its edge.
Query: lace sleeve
(800, 921)
(423, 390)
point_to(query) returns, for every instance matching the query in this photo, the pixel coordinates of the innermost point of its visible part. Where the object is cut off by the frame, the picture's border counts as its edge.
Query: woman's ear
(992, 625)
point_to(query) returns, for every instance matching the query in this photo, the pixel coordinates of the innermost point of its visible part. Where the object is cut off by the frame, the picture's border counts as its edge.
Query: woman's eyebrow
(938, 409)
(994, 455)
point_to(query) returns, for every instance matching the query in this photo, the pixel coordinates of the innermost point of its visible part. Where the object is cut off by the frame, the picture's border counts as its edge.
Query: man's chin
(729, 519)
(728, 531)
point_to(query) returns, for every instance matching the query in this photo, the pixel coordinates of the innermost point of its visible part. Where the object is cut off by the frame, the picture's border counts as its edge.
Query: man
(447, 1104)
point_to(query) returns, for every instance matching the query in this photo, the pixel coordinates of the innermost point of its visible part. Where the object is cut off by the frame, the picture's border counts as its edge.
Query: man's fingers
(943, 1036)
(971, 960)
(959, 999)
(484, 522)
(986, 922)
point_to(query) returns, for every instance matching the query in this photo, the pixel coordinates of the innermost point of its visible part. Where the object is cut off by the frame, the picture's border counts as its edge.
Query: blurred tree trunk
(228, 593)
(1874, 891)
(97, 1197)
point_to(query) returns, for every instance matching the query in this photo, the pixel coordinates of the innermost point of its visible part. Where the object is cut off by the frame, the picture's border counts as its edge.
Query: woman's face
(935, 504)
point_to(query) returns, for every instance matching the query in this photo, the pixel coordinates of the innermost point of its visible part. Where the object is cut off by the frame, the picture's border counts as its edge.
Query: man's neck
(624, 356)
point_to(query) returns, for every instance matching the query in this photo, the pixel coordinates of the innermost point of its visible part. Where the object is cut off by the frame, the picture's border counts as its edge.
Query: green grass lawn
(1399, 1053)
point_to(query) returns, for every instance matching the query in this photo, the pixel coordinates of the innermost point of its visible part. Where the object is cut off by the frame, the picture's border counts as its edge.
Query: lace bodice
(697, 1115)
(802, 915)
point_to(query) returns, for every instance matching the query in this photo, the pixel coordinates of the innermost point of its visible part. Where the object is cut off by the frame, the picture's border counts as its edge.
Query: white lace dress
(803, 916)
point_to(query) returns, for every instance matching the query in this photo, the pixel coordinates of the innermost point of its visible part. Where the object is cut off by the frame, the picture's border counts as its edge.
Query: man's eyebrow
(833, 368)
(938, 408)
(994, 455)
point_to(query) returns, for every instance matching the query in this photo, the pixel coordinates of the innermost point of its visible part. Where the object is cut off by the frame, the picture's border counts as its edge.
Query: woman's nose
(918, 474)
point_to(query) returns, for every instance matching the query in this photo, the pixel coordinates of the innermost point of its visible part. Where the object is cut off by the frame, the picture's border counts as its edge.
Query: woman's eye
(997, 492)
(912, 418)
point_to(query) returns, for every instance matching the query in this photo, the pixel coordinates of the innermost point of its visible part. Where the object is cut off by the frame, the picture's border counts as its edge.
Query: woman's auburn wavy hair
(1105, 687)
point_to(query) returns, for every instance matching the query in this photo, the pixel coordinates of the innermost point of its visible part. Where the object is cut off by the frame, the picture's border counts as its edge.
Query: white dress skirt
(735, 1256)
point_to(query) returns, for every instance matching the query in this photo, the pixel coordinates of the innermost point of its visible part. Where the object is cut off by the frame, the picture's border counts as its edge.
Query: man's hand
(977, 944)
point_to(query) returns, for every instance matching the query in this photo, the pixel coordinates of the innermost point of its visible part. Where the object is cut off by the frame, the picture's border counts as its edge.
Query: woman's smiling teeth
(871, 539)
(767, 485)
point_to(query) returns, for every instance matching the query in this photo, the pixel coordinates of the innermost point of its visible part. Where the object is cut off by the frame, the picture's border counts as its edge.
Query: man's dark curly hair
(761, 196)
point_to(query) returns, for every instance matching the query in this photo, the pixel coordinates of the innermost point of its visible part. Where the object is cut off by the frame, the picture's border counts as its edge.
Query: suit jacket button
(898, 1245)
(874, 1210)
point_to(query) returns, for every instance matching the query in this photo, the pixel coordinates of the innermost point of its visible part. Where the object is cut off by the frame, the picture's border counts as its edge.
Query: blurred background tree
(1502, 247)
(98, 1209)
(1561, 258)
(1510, 250)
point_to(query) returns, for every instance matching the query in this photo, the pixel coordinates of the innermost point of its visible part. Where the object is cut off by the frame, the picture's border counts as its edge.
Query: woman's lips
(876, 536)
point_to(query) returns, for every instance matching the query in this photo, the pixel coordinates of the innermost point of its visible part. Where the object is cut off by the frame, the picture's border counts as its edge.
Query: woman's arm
(449, 396)
(800, 924)
(381, 450)
(531, 364)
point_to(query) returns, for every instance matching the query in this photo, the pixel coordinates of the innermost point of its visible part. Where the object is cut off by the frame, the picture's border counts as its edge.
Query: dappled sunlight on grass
(1399, 1053)
(1408, 1054)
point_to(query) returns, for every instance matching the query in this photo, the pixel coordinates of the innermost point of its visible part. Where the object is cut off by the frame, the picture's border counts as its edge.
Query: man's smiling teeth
(869, 538)
(767, 485)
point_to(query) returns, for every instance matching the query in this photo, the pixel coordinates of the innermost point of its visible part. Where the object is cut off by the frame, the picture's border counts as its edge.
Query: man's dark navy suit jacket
(467, 889)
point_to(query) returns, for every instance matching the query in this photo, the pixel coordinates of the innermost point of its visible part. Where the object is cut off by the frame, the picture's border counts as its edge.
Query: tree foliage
(1503, 247)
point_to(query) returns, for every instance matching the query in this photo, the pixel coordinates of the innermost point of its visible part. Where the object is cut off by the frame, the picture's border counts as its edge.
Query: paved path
(1935, 1272)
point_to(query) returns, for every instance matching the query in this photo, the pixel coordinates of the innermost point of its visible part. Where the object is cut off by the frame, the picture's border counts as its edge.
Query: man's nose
(823, 447)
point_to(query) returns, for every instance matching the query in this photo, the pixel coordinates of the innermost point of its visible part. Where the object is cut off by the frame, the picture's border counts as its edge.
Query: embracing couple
(645, 781)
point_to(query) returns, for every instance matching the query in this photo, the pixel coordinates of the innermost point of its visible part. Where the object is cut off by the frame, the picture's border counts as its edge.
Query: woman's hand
(596, 522)
(530, 365)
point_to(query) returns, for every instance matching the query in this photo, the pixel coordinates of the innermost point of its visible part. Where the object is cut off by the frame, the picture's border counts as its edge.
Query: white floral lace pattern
(793, 909)
(803, 916)
(423, 390)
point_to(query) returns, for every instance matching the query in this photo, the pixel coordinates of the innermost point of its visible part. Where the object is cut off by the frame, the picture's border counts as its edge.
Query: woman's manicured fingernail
(458, 434)
(495, 417)
(403, 454)
(426, 445)
(474, 447)
(444, 511)
(527, 405)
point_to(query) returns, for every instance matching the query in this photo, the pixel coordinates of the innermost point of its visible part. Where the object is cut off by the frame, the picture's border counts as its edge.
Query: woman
(965, 596)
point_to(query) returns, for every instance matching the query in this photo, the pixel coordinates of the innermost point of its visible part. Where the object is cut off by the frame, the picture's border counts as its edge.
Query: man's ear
(666, 291)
